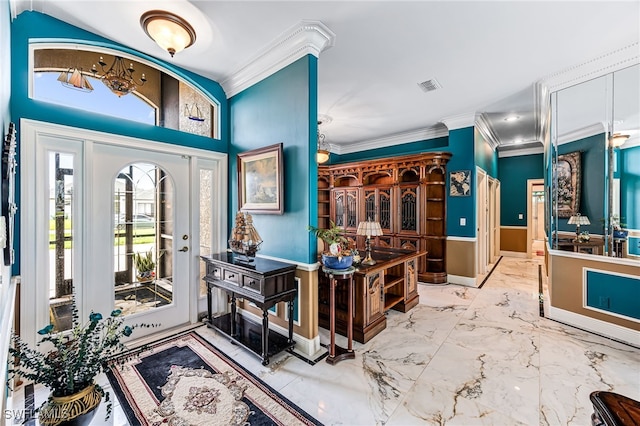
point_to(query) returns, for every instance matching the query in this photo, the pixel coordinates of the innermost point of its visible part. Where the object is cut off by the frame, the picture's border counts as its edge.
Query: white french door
(91, 202)
(165, 206)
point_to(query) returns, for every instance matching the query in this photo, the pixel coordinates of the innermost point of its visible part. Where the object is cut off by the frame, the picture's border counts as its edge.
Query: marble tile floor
(463, 356)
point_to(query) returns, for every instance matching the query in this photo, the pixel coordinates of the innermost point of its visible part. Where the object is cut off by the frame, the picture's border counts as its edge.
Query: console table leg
(265, 337)
(233, 315)
(209, 304)
(290, 303)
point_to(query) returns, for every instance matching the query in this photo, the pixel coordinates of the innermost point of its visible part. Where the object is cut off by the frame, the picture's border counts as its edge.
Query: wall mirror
(595, 166)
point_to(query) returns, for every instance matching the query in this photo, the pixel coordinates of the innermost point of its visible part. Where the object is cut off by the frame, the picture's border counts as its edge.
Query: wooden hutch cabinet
(405, 194)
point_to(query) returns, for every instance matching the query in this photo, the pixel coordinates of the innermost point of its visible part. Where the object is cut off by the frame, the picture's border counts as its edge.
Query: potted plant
(339, 255)
(145, 266)
(69, 365)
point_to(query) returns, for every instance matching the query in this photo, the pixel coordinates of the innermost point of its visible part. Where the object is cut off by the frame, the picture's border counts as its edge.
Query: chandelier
(118, 78)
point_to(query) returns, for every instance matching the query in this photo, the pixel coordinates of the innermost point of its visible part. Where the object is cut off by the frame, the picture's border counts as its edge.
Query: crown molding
(483, 124)
(585, 132)
(520, 152)
(396, 139)
(304, 38)
(459, 121)
(609, 62)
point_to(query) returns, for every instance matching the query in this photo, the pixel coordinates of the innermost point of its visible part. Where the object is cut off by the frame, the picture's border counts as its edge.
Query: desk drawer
(231, 276)
(252, 283)
(214, 271)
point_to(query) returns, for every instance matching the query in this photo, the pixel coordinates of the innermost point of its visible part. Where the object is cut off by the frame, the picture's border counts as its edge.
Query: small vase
(73, 410)
(146, 276)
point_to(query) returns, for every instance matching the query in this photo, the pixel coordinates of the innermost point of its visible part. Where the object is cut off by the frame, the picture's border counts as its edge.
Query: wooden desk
(392, 283)
(590, 247)
(263, 282)
(612, 409)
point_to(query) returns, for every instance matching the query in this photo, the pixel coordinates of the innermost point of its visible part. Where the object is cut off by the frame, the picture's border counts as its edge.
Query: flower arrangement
(75, 357)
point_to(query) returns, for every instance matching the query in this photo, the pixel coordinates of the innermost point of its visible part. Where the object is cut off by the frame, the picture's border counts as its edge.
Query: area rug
(187, 381)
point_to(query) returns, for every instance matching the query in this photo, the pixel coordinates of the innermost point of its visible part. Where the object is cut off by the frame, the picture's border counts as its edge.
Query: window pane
(61, 217)
(143, 238)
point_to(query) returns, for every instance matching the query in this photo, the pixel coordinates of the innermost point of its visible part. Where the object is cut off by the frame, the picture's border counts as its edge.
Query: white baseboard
(466, 281)
(309, 348)
(513, 254)
(597, 326)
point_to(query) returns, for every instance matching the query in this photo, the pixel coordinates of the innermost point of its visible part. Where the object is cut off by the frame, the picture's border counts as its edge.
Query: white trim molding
(513, 227)
(464, 239)
(460, 280)
(395, 139)
(459, 121)
(484, 126)
(309, 267)
(521, 152)
(304, 38)
(518, 254)
(597, 326)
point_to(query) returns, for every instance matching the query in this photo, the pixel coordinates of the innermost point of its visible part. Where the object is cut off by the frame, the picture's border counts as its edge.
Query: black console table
(263, 282)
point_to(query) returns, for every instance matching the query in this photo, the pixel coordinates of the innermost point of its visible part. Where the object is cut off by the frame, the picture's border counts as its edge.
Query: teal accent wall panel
(633, 245)
(513, 173)
(613, 293)
(592, 196)
(486, 158)
(630, 187)
(437, 144)
(277, 110)
(461, 145)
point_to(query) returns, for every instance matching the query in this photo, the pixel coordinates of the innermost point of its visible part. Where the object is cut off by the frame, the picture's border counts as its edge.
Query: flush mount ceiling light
(171, 32)
(511, 118)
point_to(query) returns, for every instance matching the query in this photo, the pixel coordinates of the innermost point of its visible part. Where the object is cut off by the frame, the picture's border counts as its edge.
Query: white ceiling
(486, 55)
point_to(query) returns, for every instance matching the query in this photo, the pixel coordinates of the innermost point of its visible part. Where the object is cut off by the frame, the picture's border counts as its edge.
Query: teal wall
(592, 194)
(34, 25)
(462, 146)
(513, 175)
(281, 108)
(613, 293)
(630, 191)
(5, 65)
(437, 144)
(486, 158)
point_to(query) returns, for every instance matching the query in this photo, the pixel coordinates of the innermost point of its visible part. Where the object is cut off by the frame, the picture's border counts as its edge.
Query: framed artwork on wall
(460, 183)
(567, 174)
(260, 180)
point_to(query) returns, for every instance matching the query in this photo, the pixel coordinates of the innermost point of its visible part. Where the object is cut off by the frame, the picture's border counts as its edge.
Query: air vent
(430, 85)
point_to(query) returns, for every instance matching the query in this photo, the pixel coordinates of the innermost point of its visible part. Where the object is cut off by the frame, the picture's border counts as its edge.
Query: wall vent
(430, 85)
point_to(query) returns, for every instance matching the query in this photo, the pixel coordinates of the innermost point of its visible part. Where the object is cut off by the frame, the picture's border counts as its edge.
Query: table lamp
(578, 220)
(369, 229)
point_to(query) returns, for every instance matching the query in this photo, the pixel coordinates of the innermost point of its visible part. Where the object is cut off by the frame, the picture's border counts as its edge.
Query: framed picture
(460, 183)
(260, 180)
(567, 193)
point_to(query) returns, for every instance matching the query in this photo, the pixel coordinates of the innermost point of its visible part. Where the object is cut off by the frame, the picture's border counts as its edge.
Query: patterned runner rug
(187, 381)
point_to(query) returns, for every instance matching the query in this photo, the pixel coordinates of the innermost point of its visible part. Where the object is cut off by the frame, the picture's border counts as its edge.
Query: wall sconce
(171, 32)
(617, 140)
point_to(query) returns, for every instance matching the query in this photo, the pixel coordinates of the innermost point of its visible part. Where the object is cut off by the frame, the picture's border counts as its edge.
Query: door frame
(481, 221)
(530, 184)
(31, 132)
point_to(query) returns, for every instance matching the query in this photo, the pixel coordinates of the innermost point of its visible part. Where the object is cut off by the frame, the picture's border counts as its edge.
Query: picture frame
(460, 183)
(260, 180)
(567, 174)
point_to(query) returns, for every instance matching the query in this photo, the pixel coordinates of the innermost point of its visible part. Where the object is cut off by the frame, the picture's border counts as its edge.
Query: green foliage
(329, 236)
(74, 357)
(144, 261)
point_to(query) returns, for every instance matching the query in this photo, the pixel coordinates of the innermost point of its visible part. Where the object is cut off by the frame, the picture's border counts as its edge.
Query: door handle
(185, 248)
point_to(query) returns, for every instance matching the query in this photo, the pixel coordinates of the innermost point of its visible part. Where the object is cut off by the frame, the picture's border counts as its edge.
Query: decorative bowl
(620, 234)
(335, 262)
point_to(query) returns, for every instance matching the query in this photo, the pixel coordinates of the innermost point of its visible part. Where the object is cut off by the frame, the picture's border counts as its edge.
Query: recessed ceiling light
(517, 141)
(512, 118)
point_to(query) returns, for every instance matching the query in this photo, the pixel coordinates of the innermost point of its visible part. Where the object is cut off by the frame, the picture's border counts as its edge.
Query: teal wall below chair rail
(32, 26)
(613, 293)
(513, 173)
(592, 194)
(281, 108)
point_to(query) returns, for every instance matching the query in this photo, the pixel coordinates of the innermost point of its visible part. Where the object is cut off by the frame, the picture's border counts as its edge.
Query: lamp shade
(322, 156)
(618, 139)
(579, 220)
(369, 228)
(171, 32)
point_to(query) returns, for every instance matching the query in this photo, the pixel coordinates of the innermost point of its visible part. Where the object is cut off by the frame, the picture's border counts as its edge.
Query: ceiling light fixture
(322, 153)
(618, 139)
(118, 78)
(74, 79)
(511, 118)
(169, 31)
